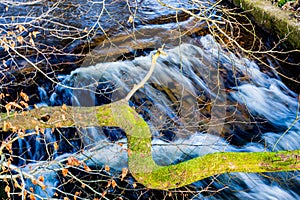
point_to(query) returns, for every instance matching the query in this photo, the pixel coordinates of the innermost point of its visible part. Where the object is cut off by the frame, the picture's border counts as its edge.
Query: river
(201, 99)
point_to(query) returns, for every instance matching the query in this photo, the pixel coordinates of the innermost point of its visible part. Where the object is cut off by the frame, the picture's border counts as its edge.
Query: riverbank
(274, 20)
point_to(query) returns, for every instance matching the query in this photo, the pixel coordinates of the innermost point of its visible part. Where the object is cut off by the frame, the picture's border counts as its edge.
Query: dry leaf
(37, 130)
(20, 39)
(43, 186)
(76, 194)
(130, 19)
(9, 147)
(34, 33)
(64, 172)
(41, 178)
(6, 125)
(113, 183)
(64, 107)
(107, 168)
(129, 152)
(108, 183)
(86, 168)
(34, 182)
(124, 173)
(2, 95)
(21, 28)
(24, 104)
(6, 47)
(31, 42)
(7, 189)
(56, 146)
(16, 105)
(7, 107)
(24, 96)
(10, 33)
(31, 197)
(12, 45)
(73, 161)
(134, 185)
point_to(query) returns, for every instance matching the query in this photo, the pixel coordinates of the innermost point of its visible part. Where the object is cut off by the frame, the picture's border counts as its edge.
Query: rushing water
(201, 99)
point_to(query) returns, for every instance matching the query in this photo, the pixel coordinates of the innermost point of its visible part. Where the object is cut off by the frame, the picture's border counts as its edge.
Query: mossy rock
(273, 19)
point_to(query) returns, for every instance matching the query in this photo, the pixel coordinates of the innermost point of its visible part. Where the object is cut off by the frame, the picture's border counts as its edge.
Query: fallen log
(140, 161)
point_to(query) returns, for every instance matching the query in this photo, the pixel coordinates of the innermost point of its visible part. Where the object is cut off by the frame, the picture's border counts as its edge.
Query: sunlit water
(200, 99)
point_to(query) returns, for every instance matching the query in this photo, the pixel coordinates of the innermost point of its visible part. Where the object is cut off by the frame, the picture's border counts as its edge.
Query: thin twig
(148, 75)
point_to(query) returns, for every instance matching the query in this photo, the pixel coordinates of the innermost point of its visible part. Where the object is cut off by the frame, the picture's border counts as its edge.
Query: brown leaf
(64, 107)
(56, 146)
(6, 125)
(37, 130)
(20, 39)
(24, 96)
(7, 107)
(6, 47)
(41, 178)
(130, 19)
(34, 33)
(129, 152)
(7, 189)
(34, 182)
(76, 194)
(64, 172)
(32, 197)
(14, 104)
(9, 147)
(31, 42)
(21, 28)
(113, 183)
(24, 104)
(73, 161)
(43, 186)
(108, 183)
(107, 168)
(134, 185)
(124, 173)
(86, 168)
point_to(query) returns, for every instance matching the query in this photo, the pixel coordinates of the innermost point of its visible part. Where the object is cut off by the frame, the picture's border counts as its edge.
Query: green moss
(273, 19)
(148, 173)
(140, 161)
(282, 2)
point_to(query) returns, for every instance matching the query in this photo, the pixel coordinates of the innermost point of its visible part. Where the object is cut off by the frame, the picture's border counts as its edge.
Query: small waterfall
(201, 99)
